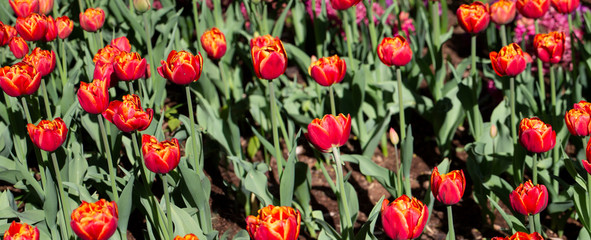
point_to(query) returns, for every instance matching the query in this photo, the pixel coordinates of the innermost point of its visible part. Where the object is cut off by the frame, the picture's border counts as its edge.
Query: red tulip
(404, 218)
(4, 35)
(92, 19)
(32, 27)
(187, 237)
(51, 32)
(11, 31)
(95, 221)
(529, 199)
(474, 17)
(94, 97)
(45, 7)
(268, 57)
(129, 66)
(43, 60)
(20, 79)
(181, 67)
(121, 43)
(525, 236)
(329, 132)
(104, 71)
(129, 115)
(550, 46)
(510, 61)
(18, 47)
(578, 119)
(160, 157)
(328, 70)
(24, 8)
(343, 4)
(565, 6)
(274, 223)
(21, 231)
(533, 8)
(394, 51)
(586, 163)
(48, 135)
(106, 55)
(536, 136)
(214, 43)
(448, 188)
(64, 26)
(502, 12)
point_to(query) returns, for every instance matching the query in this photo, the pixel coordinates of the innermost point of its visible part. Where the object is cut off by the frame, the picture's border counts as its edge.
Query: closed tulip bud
(32, 27)
(343, 4)
(106, 55)
(160, 157)
(328, 70)
(565, 6)
(95, 221)
(64, 26)
(394, 139)
(48, 135)
(129, 66)
(536, 136)
(24, 8)
(448, 188)
(181, 67)
(51, 32)
(121, 43)
(394, 51)
(45, 7)
(474, 17)
(550, 46)
(503, 12)
(277, 223)
(510, 61)
(525, 236)
(187, 237)
(214, 43)
(142, 6)
(578, 122)
(493, 131)
(268, 57)
(4, 35)
(532, 8)
(20, 79)
(404, 218)
(43, 60)
(21, 231)
(529, 199)
(329, 132)
(128, 115)
(94, 97)
(92, 19)
(18, 47)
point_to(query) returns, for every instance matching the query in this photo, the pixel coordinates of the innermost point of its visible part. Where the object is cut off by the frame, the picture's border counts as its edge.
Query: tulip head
(48, 135)
(330, 131)
(525, 236)
(328, 70)
(160, 157)
(448, 188)
(105, 71)
(503, 12)
(181, 67)
(394, 51)
(121, 43)
(45, 7)
(106, 55)
(128, 115)
(565, 6)
(24, 8)
(142, 6)
(129, 66)
(578, 122)
(18, 47)
(394, 139)
(532, 8)
(43, 60)
(510, 61)
(214, 43)
(275, 223)
(95, 221)
(536, 136)
(20, 79)
(32, 27)
(343, 4)
(11, 31)
(187, 237)
(474, 17)
(4, 35)
(268, 57)
(92, 19)
(529, 199)
(21, 231)
(94, 97)
(64, 26)
(404, 218)
(51, 31)
(550, 46)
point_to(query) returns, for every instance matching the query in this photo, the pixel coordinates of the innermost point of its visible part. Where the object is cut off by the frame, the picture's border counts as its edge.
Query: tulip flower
(510, 61)
(550, 46)
(394, 51)
(11, 31)
(104, 71)
(106, 55)
(128, 115)
(45, 7)
(586, 163)
(274, 223)
(142, 6)
(404, 218)
(181, 67)
(51, 32)
(525, 236)
(328, 70)
(21, 231)
(565, 6)
(92, 19)
(48, 135)
(187, 237)
(43, 60)
(474, 17)
(214, 43)
(32, 27)
(160, 157)
(95, 221)
(578, 122)
(529, 199)
(4, 35)
(18, 47)
(64, 26)
(394, 139)
(20, 79)
(24, 8)
(502, 12)
(94, 97)
(121, 43)
(532, 8)
(448, 188)
(331, 131)
(129, 66)
(343, 4)
(268, 57)
(536, 136)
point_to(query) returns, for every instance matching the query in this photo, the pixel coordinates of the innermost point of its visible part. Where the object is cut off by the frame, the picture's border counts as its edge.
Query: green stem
(534, 168)
(398, 173)
(41, 159)
(541, 81)
(332, 104)
(400, 105)
(196, 19)
(347, 225)
(198, 164)
(45, 99)
(150, 54)
(130, 87)
(64, 70)
(435, 23)
(513, 116)
(553, 93)
(531, 223)
(101, 43)
(349, 40)
(168, 208)
(26, 108)
(326, 175)
(588, 198)
(274, 120)
(112, 170)
(473, 58)
(503, 33)
(451, 234)
(64, 199)
(227, 83)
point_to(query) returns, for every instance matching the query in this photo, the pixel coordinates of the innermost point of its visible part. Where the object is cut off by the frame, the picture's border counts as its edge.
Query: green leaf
(256, 182)
(125, 204)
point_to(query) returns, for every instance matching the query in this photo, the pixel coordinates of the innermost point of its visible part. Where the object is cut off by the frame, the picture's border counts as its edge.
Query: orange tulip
(92, 19)
(32, 27)
(95, 221)
(43, 60)
(525, 236)
(94, 97)
(48, 135)
(121, 43)
(45, 7)
(533, 8)
(20, 79)
(328, 70)
(343, 4)
(274, 223)
(181, 67)
(404, 218)
(11, 31)
(106, 55)
(536, 136)
(448, 188)
(187, 237)
(394, 51)
(24, 8)
(510, 61)
(4, 35)
(18, 47)
(330, 131)
(129, 66)
(474, 17)
(268, 57)
(64, 26)
(586, 163)
(160, 157)
(578, 119)
(128, 115)
(105, 71)
(51, 32)
(21, 231)
(214, 43)
(565, 6)
(529, 199)
(503, 12)
(550, 46)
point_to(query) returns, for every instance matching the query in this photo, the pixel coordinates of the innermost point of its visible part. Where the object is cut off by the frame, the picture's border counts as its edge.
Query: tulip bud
(4, 35)
(187, 237)
(503, 12)
(493, 131)
(32, 27)
(48, 135)
(43, 60)
(142, 6)
(24, 8)
(343, 4)
(529, 199)
(404, 218)
(281, 223)
(92, 19)
(332, 131)
(160, 157)
(64, 26)
(214, 43)
(51, 31)
(565, 6)
(121, 43)
(536, 136)
(394, 51)
(474, 17)
(45, 7)
(525, 236)
(21, 231)
(18, 47)
(510, 61)
(448, 188)
(94, 97)
(95, 221)
(268, 57)
(20, 79)
(328, 70)
(549, 47)
(394, 139)
(181, 67)
(128, 115)
(532, 8)
(129, 66)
